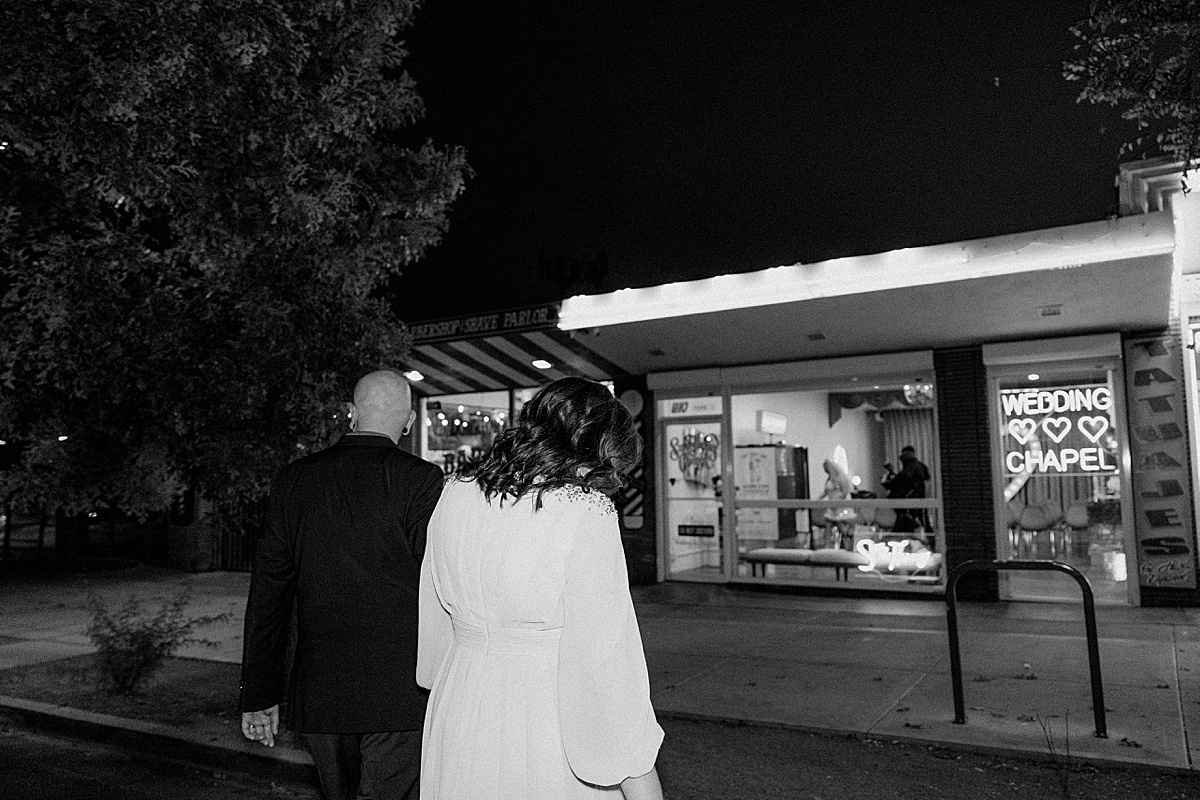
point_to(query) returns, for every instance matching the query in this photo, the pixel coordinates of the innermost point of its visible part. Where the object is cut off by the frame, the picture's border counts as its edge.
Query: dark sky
(684, 140)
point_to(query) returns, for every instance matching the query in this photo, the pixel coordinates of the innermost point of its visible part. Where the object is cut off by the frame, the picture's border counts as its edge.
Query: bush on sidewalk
(133, 645)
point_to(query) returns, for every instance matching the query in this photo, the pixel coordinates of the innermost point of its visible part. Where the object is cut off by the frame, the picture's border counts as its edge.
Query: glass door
(692, 499)
(1062, 471)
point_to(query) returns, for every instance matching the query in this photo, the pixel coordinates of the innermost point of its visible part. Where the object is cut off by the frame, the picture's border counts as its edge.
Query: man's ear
(350, 415)
(412, 417)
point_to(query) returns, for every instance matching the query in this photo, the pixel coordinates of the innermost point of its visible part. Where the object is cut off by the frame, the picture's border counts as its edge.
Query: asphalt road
(700, 760)
(39, 767)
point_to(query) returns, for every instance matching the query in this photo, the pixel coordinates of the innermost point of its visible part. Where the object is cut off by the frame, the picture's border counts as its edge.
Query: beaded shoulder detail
(598, 501)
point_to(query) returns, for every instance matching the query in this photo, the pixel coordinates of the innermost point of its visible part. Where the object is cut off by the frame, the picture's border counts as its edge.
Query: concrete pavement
(877, 667)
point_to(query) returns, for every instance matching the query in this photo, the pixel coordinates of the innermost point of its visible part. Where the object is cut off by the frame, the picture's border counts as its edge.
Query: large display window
(830, 480)
(838, 486)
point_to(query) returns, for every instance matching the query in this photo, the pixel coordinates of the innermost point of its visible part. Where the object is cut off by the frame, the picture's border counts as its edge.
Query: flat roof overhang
(1112, 275)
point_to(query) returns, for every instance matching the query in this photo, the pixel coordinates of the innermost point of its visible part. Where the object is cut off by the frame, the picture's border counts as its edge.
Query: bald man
(343, 542)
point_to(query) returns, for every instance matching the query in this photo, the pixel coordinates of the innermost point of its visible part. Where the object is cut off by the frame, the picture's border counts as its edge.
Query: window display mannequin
(838, 521)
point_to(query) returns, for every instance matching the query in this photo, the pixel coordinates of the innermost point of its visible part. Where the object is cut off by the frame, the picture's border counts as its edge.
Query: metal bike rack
(1089, 619)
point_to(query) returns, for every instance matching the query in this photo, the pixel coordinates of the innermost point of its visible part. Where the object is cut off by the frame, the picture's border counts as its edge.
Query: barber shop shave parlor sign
(1062, 431)
(1159, 447)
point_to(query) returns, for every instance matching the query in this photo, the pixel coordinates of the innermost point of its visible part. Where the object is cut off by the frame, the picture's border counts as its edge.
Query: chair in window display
(1038, 522)
(884, 519)
(1012, 513)
(1076, 520)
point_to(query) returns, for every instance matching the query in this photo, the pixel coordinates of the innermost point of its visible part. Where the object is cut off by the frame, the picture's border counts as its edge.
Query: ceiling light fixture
(541, 363)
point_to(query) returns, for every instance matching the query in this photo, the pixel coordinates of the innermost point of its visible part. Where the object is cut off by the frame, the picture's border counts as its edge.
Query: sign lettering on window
(1066, 430)
(690, 407)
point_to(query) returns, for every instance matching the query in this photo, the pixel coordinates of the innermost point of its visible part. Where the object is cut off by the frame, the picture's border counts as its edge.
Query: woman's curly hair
(567, 424)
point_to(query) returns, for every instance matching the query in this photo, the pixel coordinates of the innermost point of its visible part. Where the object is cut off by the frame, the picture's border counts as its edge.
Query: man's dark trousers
(380, 766)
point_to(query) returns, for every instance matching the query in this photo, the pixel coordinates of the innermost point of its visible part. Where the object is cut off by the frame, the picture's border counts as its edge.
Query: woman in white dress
(528, 639)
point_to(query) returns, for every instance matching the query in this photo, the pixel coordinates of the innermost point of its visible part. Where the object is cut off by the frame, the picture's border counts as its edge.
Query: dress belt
(504, 640)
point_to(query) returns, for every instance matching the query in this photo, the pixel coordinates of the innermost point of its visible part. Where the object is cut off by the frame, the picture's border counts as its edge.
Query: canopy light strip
(1053, 248)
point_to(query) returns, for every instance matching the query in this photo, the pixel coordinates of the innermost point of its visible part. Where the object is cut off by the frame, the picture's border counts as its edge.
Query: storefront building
(866, 424)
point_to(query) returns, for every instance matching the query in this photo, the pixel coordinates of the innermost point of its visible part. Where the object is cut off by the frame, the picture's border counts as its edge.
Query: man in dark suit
(344, 538)
(910, 482)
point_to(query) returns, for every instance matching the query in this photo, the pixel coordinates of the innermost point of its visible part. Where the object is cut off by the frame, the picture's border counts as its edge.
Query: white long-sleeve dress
(529, 644)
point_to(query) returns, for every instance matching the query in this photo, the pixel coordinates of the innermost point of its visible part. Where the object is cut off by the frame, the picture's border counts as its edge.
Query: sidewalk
(875, 667)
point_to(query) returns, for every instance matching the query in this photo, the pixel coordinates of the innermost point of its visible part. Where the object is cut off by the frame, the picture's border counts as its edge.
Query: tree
(1142, 55)
(200, 207)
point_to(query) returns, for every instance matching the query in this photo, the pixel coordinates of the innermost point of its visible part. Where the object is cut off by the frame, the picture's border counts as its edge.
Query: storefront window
(838, 486)
(460, 428)
(1061, 466)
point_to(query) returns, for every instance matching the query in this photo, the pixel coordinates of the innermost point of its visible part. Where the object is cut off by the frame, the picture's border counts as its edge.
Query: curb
(998, 751)
(292, 765)
(283, 764)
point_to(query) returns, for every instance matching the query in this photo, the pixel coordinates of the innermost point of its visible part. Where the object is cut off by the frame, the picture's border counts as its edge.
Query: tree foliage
(1144, 57)
(199, 205)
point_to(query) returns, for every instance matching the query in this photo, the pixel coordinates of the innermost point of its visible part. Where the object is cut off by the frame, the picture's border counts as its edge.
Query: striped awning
(500, 350)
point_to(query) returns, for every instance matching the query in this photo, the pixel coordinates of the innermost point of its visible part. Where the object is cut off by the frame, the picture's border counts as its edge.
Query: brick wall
(964, 436)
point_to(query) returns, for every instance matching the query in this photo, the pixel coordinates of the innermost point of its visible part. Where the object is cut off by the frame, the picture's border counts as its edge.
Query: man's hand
(261, 726)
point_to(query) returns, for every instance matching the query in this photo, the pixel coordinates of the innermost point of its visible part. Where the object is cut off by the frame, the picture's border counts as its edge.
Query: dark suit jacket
(344, 538)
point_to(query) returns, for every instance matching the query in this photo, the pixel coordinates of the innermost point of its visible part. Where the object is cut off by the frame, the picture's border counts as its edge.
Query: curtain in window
(914, 427)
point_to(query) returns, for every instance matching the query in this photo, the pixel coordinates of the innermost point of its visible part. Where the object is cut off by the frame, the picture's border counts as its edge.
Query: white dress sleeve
(608, 726)
(435, 633)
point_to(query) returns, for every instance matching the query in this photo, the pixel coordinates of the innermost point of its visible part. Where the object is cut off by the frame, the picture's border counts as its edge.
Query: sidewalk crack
(699, 674)
(899, 700)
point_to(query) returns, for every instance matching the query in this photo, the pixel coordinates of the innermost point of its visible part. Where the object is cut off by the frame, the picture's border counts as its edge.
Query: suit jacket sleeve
(424, 500)
(269, 610)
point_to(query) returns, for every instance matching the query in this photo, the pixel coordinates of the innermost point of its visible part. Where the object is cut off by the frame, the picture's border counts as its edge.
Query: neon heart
(1056, 428)
(1093, 427)
(1022, 429)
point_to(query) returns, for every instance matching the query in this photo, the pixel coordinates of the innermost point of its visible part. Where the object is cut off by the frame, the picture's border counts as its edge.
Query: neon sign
(892, 556)
(1063, 431)
(1027, 402)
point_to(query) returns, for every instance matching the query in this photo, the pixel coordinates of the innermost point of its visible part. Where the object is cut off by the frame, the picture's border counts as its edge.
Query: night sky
(671, 141)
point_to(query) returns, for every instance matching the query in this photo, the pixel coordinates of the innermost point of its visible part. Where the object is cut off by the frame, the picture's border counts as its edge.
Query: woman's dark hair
(567, 424)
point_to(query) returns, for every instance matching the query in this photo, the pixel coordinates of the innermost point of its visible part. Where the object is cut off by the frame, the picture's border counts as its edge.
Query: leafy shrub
(133, 645)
